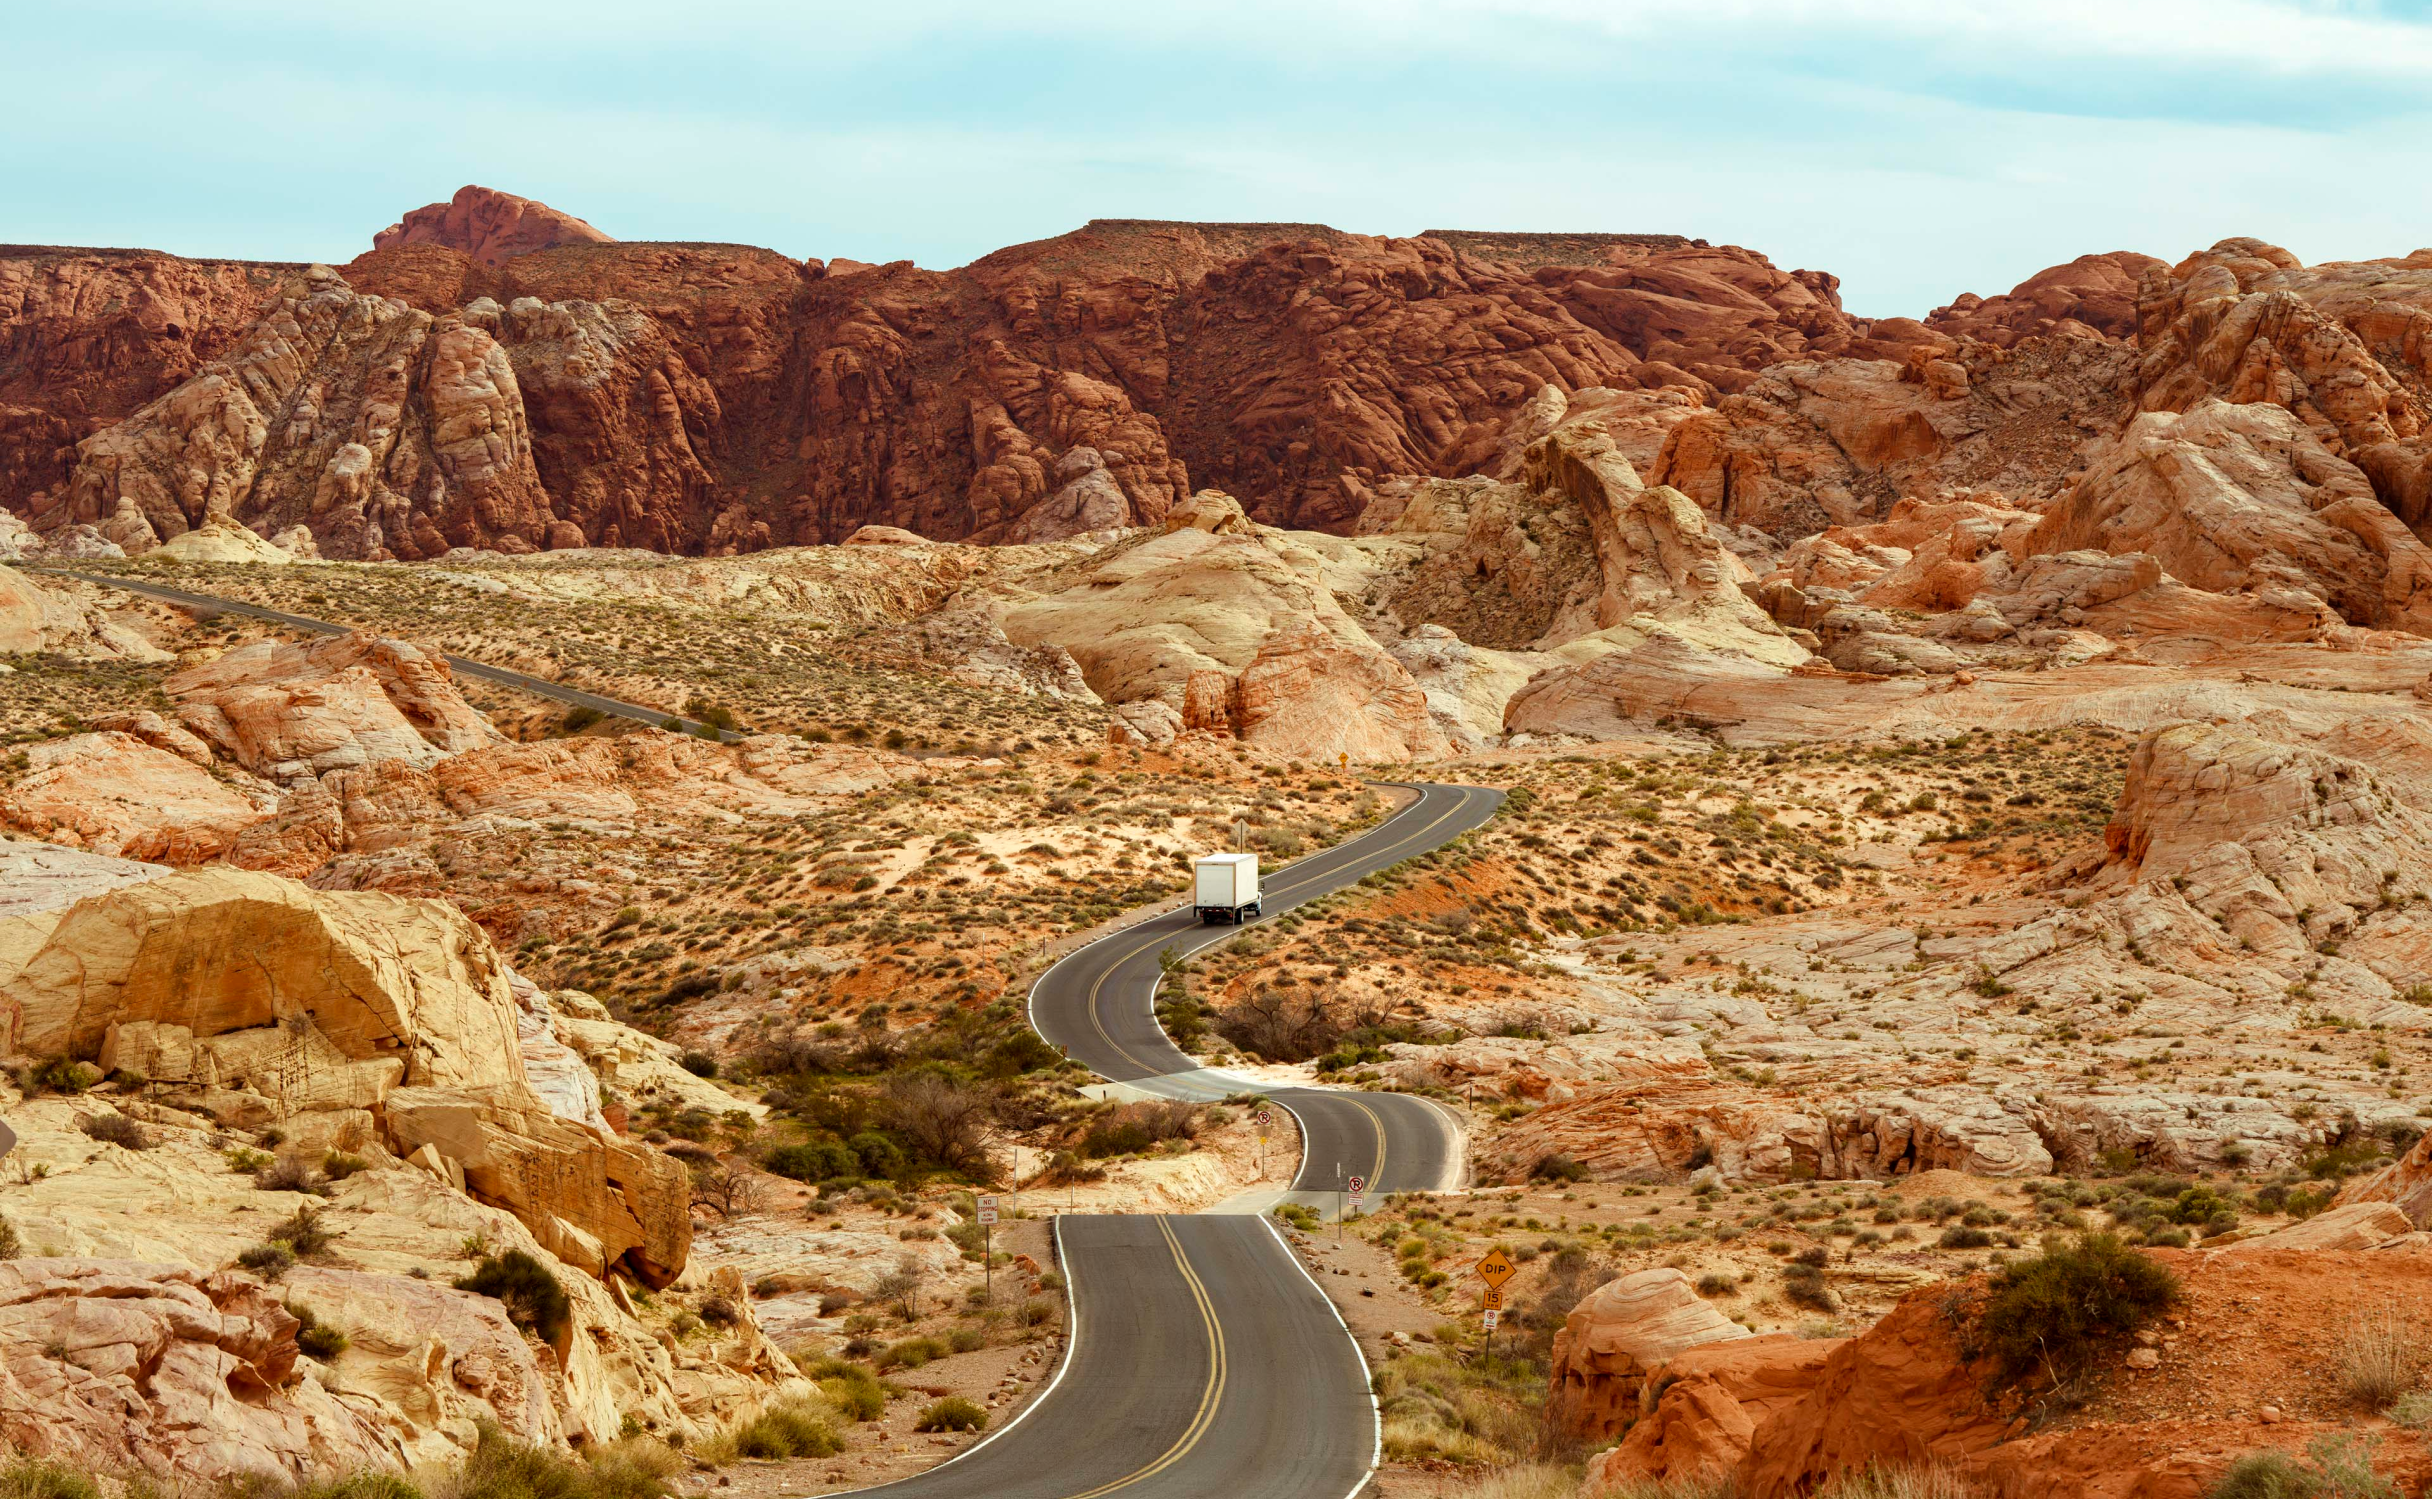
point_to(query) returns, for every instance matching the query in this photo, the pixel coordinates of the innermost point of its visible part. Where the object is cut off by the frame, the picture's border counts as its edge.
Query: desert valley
(1941, 1007)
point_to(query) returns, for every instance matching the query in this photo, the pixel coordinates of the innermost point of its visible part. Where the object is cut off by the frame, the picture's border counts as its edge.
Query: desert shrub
(269, 1261)
(968, 1339)
(57, 1075)
(303, 1232)
(2375, 1359)
(1803, 1285)
(953, 1413)
(788, 1431)
(27, 1478)
(853, 1390)
(2336, 1467)
(909, 1353)
(10, 1245)
(946, 1121)
(1131, 1128)
(1558, 1168)
(1876, 1481)
(1961, 1236)
(2052, 1312)
(1037, 1313)
(288, 1174)
(532, 1297)
(699, 1064)
(338, 1165)
(504, 1468)
(115, 1129)
(316, 1337)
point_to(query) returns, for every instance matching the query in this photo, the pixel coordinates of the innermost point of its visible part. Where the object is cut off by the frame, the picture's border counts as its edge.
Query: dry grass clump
(1881, 1481)
(2376, 1359)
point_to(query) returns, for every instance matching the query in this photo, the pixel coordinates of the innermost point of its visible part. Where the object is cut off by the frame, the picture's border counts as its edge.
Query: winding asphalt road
(205, 603)
(1202, 1360)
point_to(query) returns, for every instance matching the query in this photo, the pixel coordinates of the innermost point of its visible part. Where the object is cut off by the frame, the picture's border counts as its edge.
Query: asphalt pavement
(1203, 1362)
(1099, 1004)
(205, 603)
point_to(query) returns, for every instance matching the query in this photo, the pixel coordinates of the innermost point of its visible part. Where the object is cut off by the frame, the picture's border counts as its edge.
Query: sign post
(988, 1244)
(1265, 1116)
(1351, 1204)
(1496, 1269)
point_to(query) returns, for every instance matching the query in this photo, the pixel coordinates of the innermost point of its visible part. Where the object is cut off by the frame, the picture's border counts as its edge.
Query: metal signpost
(988, 1243)
(1265, 1116)
(1495, 1269)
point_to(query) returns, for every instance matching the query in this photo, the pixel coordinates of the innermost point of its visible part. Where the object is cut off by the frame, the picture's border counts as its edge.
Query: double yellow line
(1209, 1398)
(1098, 1021)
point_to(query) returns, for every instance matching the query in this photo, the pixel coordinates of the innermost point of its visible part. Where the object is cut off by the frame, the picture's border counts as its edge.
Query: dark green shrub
(115, 1129)
(1961, 1236)
(909, 1353)
(337, 1165)
(953, 1413)
(813, 1161)
(2051, 1313)
(1558, 1168)
(316, 1337)
(699, 1064)
(303, 1233)
(269, 1261)
(880, 1156)
(533, 1298)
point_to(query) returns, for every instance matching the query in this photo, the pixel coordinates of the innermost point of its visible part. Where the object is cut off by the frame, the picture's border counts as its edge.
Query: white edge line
(1072, 1341)
(1376, 1414)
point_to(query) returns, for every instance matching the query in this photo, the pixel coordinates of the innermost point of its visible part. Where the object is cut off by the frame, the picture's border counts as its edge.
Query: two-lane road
(1202, 1360)
(1099, 1004)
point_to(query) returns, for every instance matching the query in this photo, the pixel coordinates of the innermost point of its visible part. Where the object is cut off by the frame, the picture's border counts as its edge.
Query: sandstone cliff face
(2093, 296)
(386, 431)
(256, 1001)
(490, 226)
(87, 336)
(717, 398)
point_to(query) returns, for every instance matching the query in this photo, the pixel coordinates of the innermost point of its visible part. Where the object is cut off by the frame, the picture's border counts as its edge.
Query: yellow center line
(1209, 1398)
(1097, 1020)
(1376, 1178)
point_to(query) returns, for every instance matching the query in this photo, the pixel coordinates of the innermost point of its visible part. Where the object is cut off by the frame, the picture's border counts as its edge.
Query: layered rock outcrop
(39, 620)
(2093, 296)
(1620, 1336)
(120, 1366)
(510, 377)
(256, 1001)
(114, 793)
(387, 431)
(347, 702)
(490, 226)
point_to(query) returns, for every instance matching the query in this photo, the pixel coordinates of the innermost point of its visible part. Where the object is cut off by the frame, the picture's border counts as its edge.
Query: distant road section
(573, 697)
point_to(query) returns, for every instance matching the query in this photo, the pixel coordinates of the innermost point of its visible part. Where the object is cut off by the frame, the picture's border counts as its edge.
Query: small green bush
(953, 1413)
(303, 1233)
(968, 1340)
(337, 1165)
(813, 1161)
(504, 1468)
(2052, 1312)
(533, 1298)
(316, 1337)
(27, 1478)
(2337, 1467)
(909, 1353)
(787, 1431)
(851, 1389)
(699, 1064)
(269, 1261)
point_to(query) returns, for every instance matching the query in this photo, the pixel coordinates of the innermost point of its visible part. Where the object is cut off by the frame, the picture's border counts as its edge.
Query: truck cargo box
(1225, 887)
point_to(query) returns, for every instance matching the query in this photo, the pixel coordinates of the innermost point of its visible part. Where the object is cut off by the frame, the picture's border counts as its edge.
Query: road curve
(1099, 1005)
(1202, 1360)
(523, 681)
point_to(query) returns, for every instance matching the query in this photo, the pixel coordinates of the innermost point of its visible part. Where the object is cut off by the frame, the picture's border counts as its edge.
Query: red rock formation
(491, 226)
(704, 398)
(2093, 296)
(87, 336)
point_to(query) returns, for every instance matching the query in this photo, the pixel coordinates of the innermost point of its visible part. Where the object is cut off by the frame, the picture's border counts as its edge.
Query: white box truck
(1226, 888)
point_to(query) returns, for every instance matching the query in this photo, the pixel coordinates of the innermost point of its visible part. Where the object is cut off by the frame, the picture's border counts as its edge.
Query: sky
(1915, 148)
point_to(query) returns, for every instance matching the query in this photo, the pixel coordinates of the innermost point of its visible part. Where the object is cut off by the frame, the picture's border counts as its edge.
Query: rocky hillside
(495, 373)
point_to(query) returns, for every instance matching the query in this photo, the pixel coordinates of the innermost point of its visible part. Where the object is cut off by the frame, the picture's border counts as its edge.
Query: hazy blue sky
(1917, 148)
